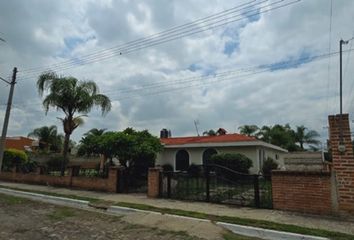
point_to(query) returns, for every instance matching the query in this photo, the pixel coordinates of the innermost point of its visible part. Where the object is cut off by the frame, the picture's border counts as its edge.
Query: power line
(165, 86)
(153, 42)
(168, 31)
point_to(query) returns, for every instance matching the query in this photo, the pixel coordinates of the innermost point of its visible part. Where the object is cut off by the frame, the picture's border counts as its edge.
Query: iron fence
(219, 184)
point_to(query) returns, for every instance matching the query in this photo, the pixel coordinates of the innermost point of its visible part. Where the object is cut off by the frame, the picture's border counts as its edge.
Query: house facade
(180, 152)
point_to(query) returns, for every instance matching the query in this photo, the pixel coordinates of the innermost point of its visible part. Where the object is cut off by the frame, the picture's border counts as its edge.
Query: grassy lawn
(228, 219)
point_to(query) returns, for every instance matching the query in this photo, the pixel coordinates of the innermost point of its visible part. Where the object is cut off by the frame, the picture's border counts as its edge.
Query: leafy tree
(264, 134)
(88, 144)
(302, 136)
(73, 97)
(283, 136)
(249, 130)
(48, 137)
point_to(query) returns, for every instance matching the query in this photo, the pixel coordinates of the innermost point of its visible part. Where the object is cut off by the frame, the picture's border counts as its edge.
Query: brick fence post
(154, 182)
(113, 179)
(342, 165)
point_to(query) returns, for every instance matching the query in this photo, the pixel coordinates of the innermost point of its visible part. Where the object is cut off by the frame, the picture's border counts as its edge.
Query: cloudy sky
(260, 68)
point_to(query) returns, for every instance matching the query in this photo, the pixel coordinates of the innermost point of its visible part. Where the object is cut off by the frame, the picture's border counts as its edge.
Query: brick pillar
(154, 182)
(342, 164)
(113, 175)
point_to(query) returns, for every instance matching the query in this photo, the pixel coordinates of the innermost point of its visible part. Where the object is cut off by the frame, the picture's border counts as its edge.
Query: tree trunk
(65, 153)
(102, 162)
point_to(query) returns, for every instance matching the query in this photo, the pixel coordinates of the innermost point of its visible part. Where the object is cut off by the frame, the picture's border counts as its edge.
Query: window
(182, 160)
(207, 154)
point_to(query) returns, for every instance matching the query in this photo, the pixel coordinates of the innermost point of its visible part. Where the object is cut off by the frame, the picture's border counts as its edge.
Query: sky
(226, 76)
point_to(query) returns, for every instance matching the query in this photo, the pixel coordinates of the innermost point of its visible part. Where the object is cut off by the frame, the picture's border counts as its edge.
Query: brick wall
(154, 182)
(305, 192)
(87, 183)
(342, 163)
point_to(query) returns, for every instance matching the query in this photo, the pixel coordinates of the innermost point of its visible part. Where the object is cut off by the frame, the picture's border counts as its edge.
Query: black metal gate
(131, 183)
(219, 184)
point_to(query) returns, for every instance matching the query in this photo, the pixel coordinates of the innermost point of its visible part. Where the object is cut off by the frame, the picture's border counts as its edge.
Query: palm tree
(95, 132)
(302, 137)
(249, 130)
(265, 134)
(47, 137)
(73, 97)
(88, 145)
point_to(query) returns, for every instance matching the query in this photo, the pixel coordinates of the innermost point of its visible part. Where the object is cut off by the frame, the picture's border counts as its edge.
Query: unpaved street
(24, 219)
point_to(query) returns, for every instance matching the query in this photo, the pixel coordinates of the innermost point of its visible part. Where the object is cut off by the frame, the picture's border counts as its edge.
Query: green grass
(12, 200)
(216, 218)
(61, 213)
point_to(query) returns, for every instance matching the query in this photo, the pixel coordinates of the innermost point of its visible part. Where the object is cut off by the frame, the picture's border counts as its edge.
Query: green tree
(73, 97)
(303, 136)
(282, 136)
(264, 134)
(88, 145)
(249, 130)
(48, 138)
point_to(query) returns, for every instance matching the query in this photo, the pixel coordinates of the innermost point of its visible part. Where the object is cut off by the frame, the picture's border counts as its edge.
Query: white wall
(196, 155)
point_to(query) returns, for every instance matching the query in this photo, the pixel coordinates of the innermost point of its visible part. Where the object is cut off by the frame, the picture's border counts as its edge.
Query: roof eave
(226, 144)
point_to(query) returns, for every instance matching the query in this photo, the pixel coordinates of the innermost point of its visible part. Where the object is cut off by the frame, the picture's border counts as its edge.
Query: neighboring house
(180, 152)
(21, 143)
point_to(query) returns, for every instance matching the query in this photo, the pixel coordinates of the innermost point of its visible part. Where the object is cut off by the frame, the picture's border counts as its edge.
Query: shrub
(268, 166)
(235, 161)
(54, 163)
(167, 168)
(194, 170)
(12, 158)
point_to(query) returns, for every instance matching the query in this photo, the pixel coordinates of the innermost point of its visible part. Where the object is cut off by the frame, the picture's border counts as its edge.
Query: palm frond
(103, 101)
(44, 81)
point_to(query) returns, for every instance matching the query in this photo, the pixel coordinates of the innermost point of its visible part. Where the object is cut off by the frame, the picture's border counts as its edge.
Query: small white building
(180, 152)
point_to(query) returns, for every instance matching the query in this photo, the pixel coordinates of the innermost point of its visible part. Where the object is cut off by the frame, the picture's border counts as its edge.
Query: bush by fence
(235, 161)
(19, 159)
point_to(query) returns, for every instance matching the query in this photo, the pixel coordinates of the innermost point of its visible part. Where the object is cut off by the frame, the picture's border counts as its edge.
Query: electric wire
(130, 50)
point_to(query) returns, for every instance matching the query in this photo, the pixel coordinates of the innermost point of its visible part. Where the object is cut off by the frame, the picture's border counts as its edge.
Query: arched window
(182, 160)
(207, 154)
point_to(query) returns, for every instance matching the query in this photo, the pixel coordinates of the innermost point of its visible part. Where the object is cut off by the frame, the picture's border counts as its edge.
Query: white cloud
(39, 32)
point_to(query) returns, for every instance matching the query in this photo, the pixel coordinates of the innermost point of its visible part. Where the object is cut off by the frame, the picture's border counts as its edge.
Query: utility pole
(7, 115)
(341, 146)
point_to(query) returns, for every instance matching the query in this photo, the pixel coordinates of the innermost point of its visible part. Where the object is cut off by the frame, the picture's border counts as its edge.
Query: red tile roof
(18, 143)
(207, 139)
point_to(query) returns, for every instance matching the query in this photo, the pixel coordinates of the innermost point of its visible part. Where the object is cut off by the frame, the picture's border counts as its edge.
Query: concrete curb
(47, 198)
(117, 210)
(125, 210)
(266, 233)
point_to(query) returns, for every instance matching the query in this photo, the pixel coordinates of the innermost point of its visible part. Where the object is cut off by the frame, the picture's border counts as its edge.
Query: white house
(180, 152)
